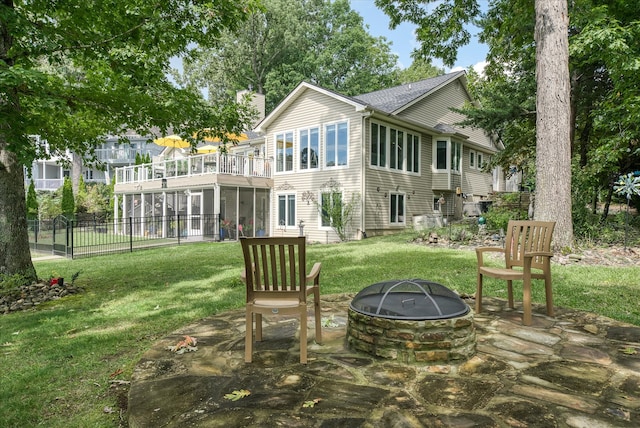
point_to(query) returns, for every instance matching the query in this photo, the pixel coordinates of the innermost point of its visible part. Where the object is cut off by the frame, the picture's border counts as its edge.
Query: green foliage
(335, 211)
(325, 43)
(10, 284)
(498, 216)
(419, 69)
(67, 204)
(32, 202)
(74, 74)
(442, 25)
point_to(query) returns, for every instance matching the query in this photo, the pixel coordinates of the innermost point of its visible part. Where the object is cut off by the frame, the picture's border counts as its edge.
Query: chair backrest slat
(275, 264)
(527, 236)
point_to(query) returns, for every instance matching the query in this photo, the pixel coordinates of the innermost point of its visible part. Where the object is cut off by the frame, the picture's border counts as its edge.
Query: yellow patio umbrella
(174, 141)
(231, 136)
(209, 148)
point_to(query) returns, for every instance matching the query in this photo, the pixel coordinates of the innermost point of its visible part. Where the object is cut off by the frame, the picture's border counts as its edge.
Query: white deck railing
(215, 163)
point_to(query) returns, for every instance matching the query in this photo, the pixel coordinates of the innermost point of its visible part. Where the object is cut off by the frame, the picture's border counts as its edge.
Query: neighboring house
(397, 152)
(49, 174)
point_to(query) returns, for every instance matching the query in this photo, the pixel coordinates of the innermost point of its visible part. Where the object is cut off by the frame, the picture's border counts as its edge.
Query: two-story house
(396, 155)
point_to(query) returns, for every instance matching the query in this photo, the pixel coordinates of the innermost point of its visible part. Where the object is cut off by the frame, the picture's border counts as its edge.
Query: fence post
(178, 228)
(70, 238)
(131, 234)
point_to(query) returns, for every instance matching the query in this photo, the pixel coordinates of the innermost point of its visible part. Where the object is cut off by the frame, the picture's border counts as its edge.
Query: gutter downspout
(363, 146)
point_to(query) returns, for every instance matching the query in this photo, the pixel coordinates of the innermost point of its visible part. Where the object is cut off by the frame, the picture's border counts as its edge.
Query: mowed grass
(58, 361)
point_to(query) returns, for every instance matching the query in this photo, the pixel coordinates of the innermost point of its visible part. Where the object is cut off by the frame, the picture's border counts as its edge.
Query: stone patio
(574, 370)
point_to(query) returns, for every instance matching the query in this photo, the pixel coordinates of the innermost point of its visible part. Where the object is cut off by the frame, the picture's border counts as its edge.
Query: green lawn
(57, 361)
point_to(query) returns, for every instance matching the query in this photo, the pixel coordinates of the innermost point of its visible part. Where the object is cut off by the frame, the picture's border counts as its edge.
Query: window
(337, 144)
(413, 153)
(394, 149)
(403, 149)
(456, 156)
(331, 204)
(479, 162)
(287, 210)
(284, 152)
(472, 159)
(309, 148)
(396, 213)
(441, 155)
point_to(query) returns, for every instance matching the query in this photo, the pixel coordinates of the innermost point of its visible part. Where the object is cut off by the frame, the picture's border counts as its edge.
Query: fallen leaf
(107, 409)
(312, 403)
(116, 373)
(238, 394)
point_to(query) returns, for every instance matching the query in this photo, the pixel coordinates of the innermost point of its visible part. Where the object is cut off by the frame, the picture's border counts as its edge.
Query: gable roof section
(396, 99)
(296, 93)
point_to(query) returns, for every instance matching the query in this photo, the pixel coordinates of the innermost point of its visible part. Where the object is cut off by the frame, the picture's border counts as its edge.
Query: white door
(194, 214)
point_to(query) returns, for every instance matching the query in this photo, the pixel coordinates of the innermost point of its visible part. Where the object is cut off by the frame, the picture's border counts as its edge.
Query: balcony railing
(215, 163)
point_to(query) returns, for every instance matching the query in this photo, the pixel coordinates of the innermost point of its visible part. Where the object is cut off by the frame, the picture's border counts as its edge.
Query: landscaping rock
(30, 296)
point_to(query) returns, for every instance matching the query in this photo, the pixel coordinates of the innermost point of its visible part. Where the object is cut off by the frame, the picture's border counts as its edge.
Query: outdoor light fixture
(164, 183)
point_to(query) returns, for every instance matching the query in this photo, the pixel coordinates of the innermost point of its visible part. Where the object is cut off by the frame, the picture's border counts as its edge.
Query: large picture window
(284, 152)
(287, 210)
(397, 209)
(309, 148)
(336, 144)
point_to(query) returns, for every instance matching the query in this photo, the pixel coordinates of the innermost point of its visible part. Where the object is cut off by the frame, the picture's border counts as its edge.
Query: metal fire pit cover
(409, 299)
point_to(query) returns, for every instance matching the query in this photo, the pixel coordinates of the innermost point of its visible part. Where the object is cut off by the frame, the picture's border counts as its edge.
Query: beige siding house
(395, 155)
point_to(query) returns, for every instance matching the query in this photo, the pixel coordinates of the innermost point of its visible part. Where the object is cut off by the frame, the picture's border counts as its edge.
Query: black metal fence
(95, 235)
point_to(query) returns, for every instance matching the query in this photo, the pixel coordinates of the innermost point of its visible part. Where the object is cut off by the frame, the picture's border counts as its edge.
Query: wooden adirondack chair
(277, 283)
(527, 254)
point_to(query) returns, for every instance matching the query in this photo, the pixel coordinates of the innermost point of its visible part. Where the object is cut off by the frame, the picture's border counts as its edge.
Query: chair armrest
(539, 254)
(481, 250)
(314, 274)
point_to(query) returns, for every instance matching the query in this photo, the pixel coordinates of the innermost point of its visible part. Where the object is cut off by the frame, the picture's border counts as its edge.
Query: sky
(403, 39)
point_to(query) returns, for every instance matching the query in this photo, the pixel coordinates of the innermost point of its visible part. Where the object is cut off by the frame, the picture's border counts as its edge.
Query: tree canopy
(72, 73)
(289, 41)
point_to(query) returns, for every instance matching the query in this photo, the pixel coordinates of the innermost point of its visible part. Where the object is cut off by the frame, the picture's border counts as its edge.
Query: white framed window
(396, 208)
(479, 161)
(284, 151)
(440, 156)
(286, 209)
(395, 149)
(336, 144)
(330, 208)
(378, 145)
(456, 156)
(472, 159)
(309, 148)
(413, 153)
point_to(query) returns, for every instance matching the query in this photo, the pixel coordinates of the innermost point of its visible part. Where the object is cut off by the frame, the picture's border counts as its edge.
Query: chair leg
(526, 301)
(510, 293)
(479, 294)
(318, 316)
(258, 327)
(248, 337)
(303, 336)
(549, 295)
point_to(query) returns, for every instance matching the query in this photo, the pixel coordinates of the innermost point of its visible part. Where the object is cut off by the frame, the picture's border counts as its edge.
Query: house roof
(388, 101)
(394, 100)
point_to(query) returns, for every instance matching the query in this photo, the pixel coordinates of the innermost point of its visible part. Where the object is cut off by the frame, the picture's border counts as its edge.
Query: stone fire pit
(413, 321)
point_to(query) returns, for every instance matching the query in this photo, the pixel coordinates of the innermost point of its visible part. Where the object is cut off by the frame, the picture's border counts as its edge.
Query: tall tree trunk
(15, 255)
(553, 144)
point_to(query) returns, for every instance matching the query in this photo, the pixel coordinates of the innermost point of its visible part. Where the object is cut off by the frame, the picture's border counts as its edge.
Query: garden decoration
(627, 185)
